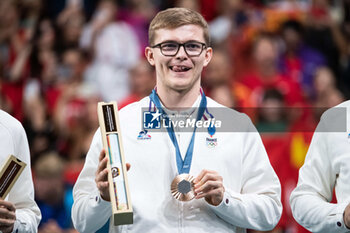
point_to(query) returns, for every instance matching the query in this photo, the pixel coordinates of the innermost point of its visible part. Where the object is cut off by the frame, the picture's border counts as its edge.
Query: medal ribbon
(183, 166)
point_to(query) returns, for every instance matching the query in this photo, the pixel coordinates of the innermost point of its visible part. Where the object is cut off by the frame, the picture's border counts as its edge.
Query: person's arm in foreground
(310, 199)
(92, 208)
(19, 213)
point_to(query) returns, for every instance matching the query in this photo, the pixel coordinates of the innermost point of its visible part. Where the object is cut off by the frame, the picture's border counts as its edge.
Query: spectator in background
(18, 211)
(234, 28)
(115, 49)
(44, 41)
(299, 61)
(271, 113)
(220, 84)
(266, 74)
(142, 81)
(71, 114)
(229, 22)
(62, 72)
(326, 93)
(69, 74)
(223, 95)
(44, 60)
(37, 102)
(76, 119)
(218, 79)
(219, 71)
(54, 198)
(70, 24)
(323, 33)
(138, 14)
(37, 124)
(15, 47)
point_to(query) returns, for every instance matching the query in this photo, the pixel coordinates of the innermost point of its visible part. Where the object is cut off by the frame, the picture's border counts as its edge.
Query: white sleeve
(90, 212)
(310, 199)
(22, 193)
(258, 205)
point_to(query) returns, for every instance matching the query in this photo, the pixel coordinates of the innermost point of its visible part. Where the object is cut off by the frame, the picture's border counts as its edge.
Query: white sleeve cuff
(99, 203)
(16, 226)
(339, 219)
(227, 201)
(19, 227)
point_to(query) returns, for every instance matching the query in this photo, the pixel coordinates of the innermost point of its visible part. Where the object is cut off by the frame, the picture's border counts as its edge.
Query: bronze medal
(182, 187)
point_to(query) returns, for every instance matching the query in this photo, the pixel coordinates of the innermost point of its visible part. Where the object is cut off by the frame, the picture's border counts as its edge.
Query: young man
(326, 168)
(18, 212)
(234, 185)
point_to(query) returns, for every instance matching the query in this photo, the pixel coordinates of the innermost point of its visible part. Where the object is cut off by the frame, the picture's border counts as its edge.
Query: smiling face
(180, 72)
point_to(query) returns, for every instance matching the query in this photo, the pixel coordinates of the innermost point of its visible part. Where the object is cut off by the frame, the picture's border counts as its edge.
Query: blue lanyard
(183, 166)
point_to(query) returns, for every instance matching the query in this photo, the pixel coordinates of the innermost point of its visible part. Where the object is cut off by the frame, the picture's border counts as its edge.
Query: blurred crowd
(281, 62)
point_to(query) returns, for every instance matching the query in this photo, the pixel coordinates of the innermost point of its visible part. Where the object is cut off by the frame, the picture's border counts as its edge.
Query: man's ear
(149, 55)
(208, 56)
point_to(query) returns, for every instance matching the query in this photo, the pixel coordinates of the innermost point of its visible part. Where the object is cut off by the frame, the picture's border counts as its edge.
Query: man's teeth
(179, 68)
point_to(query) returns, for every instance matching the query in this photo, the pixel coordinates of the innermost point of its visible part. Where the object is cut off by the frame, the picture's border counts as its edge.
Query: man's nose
(181, 54)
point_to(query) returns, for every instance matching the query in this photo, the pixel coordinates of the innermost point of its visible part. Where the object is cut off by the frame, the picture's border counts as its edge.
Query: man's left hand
(7, 216)
(209, 184)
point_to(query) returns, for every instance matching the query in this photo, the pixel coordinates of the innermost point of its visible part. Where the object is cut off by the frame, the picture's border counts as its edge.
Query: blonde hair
(175, 17)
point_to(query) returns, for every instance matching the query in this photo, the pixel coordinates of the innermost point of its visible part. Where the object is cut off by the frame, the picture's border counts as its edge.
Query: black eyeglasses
(171, 48)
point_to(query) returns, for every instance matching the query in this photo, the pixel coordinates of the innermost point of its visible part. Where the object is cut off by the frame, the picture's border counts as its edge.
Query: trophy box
(117, 176)
(9, 173)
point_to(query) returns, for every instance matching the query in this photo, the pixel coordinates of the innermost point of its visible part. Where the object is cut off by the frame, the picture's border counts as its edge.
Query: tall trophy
(117, 176)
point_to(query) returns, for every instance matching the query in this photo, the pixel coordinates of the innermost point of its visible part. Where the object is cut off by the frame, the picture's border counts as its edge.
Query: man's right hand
(101, 176)
(346, 216)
